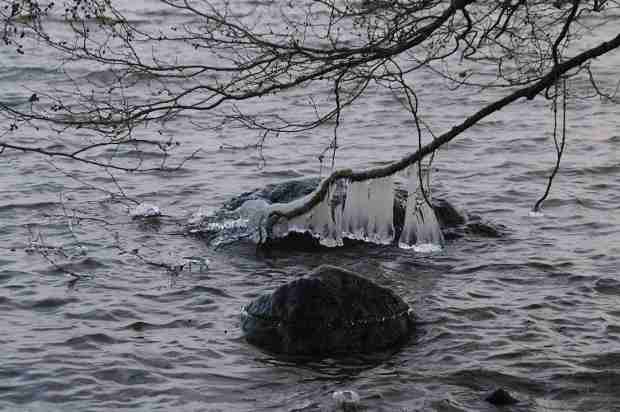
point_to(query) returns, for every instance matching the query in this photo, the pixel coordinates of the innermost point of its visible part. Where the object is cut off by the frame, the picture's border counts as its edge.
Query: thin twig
(559, 148)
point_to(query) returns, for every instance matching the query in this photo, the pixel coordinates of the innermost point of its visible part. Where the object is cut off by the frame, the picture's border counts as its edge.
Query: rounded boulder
(331, 310)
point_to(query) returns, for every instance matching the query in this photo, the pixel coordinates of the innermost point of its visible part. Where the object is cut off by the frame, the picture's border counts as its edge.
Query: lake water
(534, 311)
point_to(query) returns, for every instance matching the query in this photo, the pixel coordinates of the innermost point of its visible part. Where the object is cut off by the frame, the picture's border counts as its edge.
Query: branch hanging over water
(527, 92)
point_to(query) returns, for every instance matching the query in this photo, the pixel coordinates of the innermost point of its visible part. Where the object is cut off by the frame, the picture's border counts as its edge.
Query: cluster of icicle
(363, 210)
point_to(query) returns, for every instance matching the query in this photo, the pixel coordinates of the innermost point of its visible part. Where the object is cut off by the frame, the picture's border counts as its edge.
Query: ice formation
(355, 210)
(145, 210)
(365, 211)
(323, 221)
(359, 210)
(369, 211)
(346, 398)
(421, 231)
(223, 227)
(254, 212)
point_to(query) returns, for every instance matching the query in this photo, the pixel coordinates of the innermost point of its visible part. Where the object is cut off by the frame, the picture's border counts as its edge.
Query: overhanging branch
(527, 92)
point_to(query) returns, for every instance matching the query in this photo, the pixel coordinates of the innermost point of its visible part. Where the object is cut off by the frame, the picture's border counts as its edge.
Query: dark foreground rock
(329, 311)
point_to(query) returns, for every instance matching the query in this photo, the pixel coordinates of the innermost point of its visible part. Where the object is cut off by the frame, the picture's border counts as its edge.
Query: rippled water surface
(535, 311)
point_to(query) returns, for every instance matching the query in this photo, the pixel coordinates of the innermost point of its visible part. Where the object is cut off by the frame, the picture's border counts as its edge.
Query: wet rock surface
(276, 193)
(329, 311)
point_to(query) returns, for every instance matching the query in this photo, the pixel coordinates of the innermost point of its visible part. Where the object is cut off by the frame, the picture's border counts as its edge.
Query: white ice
(145, 210)
(369, 211)
(324, 221)
(421, 231)
(345, 399)
(355, 210)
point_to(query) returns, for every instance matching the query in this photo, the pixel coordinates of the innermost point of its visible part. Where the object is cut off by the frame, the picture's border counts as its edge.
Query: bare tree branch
(528, 92)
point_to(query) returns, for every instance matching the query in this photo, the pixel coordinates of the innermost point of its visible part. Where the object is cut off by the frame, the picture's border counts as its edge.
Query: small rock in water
(145, 210)
(501, 397)
(346, 400)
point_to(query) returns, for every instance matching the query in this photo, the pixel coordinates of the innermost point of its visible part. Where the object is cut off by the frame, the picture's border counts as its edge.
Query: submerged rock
(329, 311)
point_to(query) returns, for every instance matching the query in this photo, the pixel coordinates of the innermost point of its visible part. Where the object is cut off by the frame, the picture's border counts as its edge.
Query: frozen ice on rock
(199, 216)
(421, 232)
(253, 207)
(369, 211)
(346, 399)
(323, 221)
(145, 210)
(355, 210)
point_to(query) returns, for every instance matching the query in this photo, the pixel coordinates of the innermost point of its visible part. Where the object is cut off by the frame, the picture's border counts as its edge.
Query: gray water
(534, 311)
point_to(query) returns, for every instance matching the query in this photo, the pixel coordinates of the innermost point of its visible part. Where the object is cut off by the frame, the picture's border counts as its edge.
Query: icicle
(324, 221)
(354, 220)
(355, 210)
(254, 212)
(421, 231)
(369, 211)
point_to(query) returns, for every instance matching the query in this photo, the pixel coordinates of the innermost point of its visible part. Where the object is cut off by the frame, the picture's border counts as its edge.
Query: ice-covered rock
(374, 211)
(145, 210)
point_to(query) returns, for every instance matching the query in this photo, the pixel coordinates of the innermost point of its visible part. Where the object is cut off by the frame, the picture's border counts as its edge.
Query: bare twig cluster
(210, 57)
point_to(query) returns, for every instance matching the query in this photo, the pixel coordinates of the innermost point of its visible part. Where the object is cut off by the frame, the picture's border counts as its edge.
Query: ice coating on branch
(350, 209)
(201, 215)
(323, 221)
(369, 211)
(254, 212)
(421, 232)
(355, 210)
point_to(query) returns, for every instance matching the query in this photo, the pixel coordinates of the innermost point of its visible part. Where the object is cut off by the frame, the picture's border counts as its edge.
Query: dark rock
(447, 214)
(483, 229)
(450, 220)
(501, 397)
(276, 193)
(329, 311)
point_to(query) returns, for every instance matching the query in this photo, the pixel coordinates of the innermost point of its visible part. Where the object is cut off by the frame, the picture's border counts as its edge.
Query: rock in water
(237, 220)
(501, 397)
(276, 193)
(329, 311)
